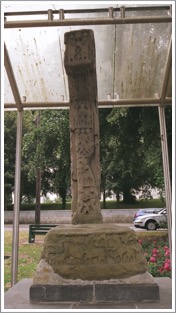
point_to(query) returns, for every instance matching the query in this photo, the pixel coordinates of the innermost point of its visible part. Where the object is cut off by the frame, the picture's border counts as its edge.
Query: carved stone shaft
(84, 126)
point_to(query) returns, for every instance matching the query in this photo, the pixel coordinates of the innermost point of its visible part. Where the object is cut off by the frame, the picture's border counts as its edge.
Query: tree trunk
(118, 197)
(104, 199)
(64, 201)
(128, 197)
(38, 191)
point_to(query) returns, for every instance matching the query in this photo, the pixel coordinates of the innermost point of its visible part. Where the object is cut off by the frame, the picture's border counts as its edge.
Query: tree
(131, 163)
(52, 153)
(27, 186)
(105, 136)
(152, 143)
(130, 152)
(128, 161)
(9, 155)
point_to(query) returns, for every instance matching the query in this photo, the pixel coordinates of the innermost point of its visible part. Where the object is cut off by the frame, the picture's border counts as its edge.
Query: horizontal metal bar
(88, 21)
(39, 104)
(6, 109)
(57, 12)
(102, 103)
(95, 10)
(130, 101)
(99, 106)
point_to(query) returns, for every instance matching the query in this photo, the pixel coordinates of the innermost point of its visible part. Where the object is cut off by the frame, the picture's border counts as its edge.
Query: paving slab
(17, 297)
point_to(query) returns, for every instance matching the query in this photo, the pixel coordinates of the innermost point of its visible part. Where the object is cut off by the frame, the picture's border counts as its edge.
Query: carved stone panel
(94, 252)
(84, 126)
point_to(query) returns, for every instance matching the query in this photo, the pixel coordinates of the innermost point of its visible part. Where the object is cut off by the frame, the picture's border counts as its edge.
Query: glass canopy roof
(133, 50)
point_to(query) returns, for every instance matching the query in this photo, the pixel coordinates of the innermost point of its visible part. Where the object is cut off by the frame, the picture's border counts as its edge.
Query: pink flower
(161, 269)
(140, 241)
(154, 255)
(152, 259)
(165, 248)
(167, 267)
(167, 261)
(167, 253)
(154, 251)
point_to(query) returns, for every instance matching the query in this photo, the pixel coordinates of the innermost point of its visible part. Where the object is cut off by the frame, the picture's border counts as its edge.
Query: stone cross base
(92, 252)
(94, 293)
(92, 263)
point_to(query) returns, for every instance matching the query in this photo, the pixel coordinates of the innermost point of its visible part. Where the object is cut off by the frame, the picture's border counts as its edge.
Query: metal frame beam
(167, 73)
(11, 78)
(101, 103)
(15, 240)
(16, 94)
(88, 21)
(164, 145)
(165, 157)
(101, 10)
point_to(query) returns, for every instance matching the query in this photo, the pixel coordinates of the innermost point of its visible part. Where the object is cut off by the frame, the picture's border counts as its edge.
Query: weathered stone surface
(138, 292)
(64, 293)
(84, 126)
(94, 293)
(94, 252)
(45, 275)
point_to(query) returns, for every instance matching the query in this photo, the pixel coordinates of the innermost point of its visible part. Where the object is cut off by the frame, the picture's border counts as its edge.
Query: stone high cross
(80, 67)
(96, 262)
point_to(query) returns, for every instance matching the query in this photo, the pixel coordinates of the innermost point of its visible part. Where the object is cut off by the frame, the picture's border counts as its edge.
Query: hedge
(110, 204)
(44, 206)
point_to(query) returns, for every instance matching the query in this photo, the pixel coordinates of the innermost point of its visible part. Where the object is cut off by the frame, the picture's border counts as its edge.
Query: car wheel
(151, 225)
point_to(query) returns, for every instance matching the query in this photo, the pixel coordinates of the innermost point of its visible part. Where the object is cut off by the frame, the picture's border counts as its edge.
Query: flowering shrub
(157, 255)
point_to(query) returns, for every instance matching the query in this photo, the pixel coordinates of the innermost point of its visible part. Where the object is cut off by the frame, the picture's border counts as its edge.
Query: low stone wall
(64, 217)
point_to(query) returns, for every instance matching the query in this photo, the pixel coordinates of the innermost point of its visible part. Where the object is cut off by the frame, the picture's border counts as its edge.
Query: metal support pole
(161, 111)
(50, 15)
(15, 242)
(122, 12)
(38, 191)
(61, 14)
(111, 12)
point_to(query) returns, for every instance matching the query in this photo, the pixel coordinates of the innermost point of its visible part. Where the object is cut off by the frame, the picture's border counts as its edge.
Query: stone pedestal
(94, 293)
(93, 252)
(84, 263)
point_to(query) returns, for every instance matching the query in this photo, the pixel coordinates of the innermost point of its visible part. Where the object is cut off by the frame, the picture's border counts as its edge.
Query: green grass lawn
(153, 203)
(29, 256)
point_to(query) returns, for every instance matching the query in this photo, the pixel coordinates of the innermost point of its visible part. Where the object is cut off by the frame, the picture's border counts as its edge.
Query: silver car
(152, 221)
(146, 211)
